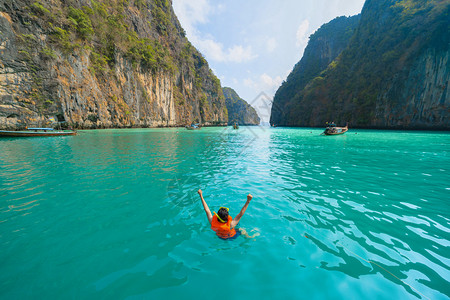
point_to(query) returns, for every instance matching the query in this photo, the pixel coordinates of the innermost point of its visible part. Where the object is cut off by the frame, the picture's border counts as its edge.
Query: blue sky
(253, 45)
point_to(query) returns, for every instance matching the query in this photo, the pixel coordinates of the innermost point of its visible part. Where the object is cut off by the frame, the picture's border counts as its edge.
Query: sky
(251, 45)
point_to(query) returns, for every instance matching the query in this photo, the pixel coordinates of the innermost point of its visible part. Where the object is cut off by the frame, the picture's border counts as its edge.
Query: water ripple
(115, 213)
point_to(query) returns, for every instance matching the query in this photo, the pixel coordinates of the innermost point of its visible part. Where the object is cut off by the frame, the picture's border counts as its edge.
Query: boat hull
(336, 131)
(5, 133)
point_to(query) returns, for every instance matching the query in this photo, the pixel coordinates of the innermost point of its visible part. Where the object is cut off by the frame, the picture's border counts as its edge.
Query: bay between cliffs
(115, 214)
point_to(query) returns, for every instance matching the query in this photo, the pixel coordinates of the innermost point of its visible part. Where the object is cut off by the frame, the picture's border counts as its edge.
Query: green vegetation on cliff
(142, 38)
(393, 73)
(103, 28)
(239, 111)
(323, 47)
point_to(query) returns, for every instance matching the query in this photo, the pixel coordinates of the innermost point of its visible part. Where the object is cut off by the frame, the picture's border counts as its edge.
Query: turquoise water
(114, 214)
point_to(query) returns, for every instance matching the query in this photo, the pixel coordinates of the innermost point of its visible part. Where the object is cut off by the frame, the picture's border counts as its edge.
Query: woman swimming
(222, 223)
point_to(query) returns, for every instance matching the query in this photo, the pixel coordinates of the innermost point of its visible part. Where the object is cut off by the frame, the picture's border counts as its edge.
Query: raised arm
(205, 206)
(239, 216)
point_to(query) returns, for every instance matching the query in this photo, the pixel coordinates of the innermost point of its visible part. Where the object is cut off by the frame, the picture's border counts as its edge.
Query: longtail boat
(30, 132)
(331, 129)
(193, 126)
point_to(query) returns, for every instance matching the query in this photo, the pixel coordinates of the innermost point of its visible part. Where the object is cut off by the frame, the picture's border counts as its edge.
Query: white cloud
(215, 51)
(268, 83)
(264, 83)
(301, 36)
(194, 12)
(210, 48)
(240, 54)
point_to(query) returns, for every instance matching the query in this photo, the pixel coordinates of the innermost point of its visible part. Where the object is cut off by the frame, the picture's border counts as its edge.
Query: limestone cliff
(239, 111)
(98, 64)
(394, 73)
(323, 47)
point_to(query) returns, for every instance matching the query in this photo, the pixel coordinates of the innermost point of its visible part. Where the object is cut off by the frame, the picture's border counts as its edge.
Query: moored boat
(235, 126)
(332, 129)
(193, 126)
(33, 132)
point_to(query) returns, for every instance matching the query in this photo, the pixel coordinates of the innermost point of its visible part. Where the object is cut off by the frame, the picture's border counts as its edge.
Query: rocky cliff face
(239, 111)
(418, 98)
(97, 64)
(323, 47)
(393, 74)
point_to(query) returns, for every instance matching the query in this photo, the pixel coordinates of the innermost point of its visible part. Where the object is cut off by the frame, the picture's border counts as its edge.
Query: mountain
(102, 63)
(393, 73)
(323, 47)
(238, 109)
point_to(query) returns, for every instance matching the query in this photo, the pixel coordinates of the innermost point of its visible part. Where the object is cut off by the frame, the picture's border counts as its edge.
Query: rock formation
(98, 64)
(239, 111)
(392, 74)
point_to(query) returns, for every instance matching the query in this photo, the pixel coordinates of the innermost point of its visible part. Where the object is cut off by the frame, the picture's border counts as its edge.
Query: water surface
(115, 214)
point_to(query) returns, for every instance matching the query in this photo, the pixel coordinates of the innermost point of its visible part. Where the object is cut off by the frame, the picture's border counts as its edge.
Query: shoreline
(375, 128)
(407, 129)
